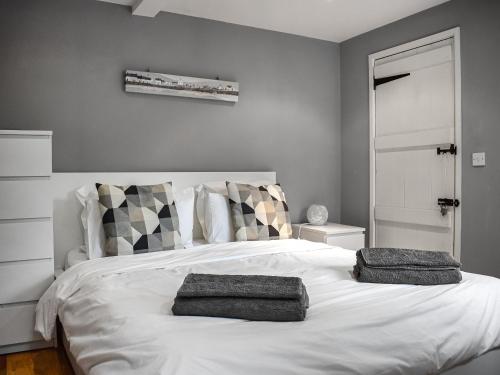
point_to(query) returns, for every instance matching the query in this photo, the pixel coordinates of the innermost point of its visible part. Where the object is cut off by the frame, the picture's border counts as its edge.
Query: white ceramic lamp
(317, 214)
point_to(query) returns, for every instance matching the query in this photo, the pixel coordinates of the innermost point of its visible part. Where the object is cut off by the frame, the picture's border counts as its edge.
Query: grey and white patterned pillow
(259, 212)
(139, 219)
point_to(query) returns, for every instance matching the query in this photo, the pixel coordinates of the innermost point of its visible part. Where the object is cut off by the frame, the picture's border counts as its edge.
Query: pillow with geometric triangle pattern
(259, 212)
(139, 218)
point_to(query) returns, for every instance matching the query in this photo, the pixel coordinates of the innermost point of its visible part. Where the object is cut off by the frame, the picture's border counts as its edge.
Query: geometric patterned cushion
(139, 219)
(259, 212)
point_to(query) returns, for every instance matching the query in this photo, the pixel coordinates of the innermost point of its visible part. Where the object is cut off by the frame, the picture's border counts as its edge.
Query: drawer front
(25, 198)
(17, 324)
(312, 236)
(353, 241)
(25, 156)
(25, 281)
(23, 240)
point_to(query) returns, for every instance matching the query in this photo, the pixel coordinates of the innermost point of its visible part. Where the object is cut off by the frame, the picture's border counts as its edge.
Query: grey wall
(62, 64)
(480, 44)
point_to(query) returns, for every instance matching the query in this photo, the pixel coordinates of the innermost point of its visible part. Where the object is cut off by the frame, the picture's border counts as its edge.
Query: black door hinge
(452, 150)
(381, 81)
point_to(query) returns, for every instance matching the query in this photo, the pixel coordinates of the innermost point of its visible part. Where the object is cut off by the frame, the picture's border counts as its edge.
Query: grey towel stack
(251, 297)
(406, 266)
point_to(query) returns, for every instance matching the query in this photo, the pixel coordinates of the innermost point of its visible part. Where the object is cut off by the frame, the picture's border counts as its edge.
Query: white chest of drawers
(26, 234)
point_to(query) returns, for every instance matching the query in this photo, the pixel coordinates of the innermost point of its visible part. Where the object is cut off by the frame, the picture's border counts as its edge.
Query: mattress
(116, 314)
(78, 255)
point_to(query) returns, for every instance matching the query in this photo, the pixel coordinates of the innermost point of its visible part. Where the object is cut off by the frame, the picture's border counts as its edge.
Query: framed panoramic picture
(168, 84)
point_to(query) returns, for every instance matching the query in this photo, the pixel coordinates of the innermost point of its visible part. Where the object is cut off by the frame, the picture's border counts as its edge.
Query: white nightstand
(345, 236)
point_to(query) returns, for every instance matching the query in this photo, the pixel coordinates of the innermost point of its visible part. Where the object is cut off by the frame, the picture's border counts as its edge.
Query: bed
(115, 317)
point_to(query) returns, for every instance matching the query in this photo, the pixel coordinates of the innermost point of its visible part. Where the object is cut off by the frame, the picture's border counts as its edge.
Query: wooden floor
(38, 362)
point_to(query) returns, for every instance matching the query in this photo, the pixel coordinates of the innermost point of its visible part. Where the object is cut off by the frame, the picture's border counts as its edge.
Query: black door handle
(448, 202)
(452, 150)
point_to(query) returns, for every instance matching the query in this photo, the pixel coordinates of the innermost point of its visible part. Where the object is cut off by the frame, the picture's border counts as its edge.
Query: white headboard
(67, 225)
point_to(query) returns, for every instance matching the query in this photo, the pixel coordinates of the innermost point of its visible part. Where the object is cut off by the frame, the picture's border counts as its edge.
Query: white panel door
(414, 115)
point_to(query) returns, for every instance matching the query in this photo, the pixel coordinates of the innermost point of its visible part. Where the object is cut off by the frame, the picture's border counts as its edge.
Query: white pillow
(93, 231)
(202, 192)
(213, 211)
(184, 202)
(218, 220)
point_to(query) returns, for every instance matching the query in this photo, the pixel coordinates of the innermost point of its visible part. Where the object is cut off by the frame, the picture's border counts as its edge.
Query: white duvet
(116, 314)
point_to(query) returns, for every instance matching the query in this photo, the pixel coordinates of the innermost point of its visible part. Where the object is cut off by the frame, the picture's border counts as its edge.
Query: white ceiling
(333, 20)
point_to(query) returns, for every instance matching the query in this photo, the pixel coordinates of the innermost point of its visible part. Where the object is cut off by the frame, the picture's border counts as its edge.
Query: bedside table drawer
(26, 239)
(25, 155)
(17, 324)
(350, 241)
(25, 198)
(333, 234)
(25, 280)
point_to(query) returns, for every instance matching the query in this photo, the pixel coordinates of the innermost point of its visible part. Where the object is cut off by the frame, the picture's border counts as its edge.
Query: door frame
(448, 34)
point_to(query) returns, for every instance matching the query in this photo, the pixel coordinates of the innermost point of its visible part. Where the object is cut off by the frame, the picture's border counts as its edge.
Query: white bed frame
(68, 232)
(487, 364)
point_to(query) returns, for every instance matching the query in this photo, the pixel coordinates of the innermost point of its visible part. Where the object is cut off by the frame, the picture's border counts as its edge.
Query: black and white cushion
(139, 219)
(259, 212)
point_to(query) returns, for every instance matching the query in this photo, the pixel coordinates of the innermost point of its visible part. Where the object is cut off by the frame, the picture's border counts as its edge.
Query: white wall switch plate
(479, 159)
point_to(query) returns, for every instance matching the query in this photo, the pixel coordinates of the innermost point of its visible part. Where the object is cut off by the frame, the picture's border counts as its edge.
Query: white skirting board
(23, 347)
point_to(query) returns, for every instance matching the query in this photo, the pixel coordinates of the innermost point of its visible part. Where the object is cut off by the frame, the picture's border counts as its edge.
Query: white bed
(115, 312)
(116, 315)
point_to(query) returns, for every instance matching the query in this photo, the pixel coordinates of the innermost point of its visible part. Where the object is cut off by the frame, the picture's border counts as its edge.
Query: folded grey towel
(276, 310)
(251, 297)
(406, 258)
(415, 277)
(405, 266)
(247, 286)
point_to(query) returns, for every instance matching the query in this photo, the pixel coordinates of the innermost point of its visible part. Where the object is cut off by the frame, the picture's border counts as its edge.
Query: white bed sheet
(116, 314)
(199, 242)
(78, 255)
(75, 256)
